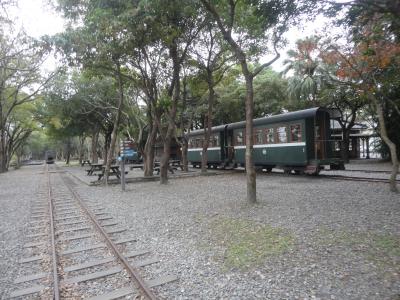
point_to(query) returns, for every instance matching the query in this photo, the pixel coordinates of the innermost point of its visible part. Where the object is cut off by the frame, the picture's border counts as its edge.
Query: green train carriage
(296, 141)
(216, 147)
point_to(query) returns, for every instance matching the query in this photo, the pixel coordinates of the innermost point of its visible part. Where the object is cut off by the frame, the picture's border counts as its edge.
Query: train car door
(229, 150)
(222, 144)
(320, 136)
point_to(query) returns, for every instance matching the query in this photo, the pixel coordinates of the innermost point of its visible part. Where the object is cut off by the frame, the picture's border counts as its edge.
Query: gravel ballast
(345, 235)
(18, 190)
(334, 239)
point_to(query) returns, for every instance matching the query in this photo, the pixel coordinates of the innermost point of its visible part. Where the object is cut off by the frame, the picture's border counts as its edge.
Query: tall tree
(247, 26)
(20, 80)
(19, 127)
(308, 74)
(212, 59)
(98, 44)
(313, 82)
(180, 24)
(375, 54)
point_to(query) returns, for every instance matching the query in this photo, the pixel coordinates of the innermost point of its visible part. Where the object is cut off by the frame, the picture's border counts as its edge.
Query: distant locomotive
(49, 156)
(296, 141)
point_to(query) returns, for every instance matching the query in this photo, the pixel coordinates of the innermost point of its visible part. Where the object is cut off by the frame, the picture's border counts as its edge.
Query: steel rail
(338, 177)
(56, 291)
(354, 178)
(132, 271)
(361, 171)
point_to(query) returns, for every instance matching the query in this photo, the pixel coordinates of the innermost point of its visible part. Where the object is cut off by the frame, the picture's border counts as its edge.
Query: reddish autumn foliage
(371, 55)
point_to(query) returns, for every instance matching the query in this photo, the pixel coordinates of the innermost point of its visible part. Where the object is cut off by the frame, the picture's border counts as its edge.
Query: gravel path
(18, 188)
(320, 239)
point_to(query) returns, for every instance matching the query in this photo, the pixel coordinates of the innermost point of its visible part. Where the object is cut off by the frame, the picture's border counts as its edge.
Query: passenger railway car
(296, 141)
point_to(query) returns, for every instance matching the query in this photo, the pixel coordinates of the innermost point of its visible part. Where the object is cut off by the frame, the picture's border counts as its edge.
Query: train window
(281, 134)
(295, 133)
(211, 141)
(216, 140)
(269, 134)
(258, 139)
(239, 138)
(201, 142)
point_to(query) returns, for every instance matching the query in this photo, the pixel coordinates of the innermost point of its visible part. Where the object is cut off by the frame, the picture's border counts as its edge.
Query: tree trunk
(184, 140)
(174, 91)
(95, 140)
(148, 154)
(3, 152)
(204, 156)
(207, 132)
(165, 159)
(344, 149)
(68, 151)
(389, 143)
(184, 155)
(107, 143)
(116, 123)
(3, 157)
(250, 169)
(81, 150)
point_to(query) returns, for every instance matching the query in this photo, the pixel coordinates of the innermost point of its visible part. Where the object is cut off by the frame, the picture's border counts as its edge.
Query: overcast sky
(38, 18)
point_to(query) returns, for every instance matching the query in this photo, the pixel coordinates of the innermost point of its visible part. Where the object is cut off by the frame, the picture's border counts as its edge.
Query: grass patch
(381, 249)
(247, 243)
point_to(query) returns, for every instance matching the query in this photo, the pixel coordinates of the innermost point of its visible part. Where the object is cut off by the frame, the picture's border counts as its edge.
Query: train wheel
(268, 170)
(299, 172)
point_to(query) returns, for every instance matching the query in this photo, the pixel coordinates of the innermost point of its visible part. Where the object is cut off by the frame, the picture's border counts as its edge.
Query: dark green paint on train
(296, 141)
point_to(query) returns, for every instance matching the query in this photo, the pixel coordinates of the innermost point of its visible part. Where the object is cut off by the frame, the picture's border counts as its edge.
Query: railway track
(77, 251)
(356, 178)
(363, 171)
(345, 177)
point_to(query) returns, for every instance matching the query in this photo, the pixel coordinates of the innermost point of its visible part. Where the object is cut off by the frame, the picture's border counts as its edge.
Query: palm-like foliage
(308, 72)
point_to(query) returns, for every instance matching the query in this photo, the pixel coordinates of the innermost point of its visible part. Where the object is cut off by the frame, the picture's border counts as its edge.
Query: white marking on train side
(201, 149)
(273, 145)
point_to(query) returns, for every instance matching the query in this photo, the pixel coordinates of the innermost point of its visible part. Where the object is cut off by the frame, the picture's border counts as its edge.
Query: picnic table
(176, 163)
(114, 171)
(94, 168)
(171, 167)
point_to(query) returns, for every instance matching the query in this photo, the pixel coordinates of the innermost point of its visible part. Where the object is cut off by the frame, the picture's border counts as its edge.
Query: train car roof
(289, 116)
(286, 117)
(213, 129)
